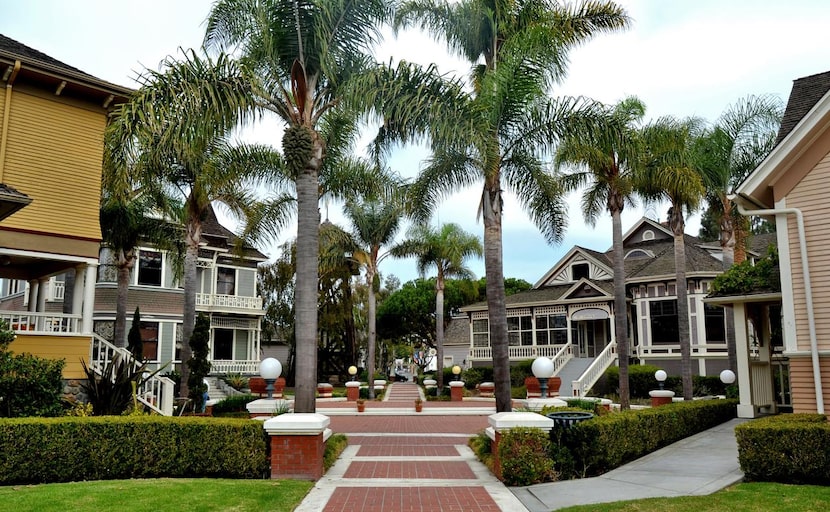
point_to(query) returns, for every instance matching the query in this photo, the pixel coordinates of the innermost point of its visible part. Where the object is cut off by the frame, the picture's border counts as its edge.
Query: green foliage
(641, 380)
(523, 456)
(134, 343)
(29, 385)
(111, 392)
(236, 381)
(790, 448)
(476, 375)
(41, 450)
(199, 364)
(606, 442)
(512, 285)
(233, 404)
(334, 447)
(520, 371)
(746, 278)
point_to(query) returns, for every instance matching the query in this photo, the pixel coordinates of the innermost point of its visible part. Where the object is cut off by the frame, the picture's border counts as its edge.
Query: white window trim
(137, 269)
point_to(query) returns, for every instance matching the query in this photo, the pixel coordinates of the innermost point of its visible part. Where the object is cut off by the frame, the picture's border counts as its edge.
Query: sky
(681, 57)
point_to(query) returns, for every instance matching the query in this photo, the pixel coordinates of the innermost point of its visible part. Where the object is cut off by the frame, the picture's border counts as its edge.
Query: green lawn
(754, 497)
(157, 495)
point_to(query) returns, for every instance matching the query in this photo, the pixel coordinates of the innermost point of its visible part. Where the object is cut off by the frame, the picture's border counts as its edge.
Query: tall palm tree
(304, 57)
(742, 137)
(501, 132)
(375, 225)
(607, 162)
(178, 123)
(445, 250)
(670, 175)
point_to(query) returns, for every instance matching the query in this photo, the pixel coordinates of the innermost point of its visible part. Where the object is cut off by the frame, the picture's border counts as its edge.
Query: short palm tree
(606, 161)
(670, 176)
(375, 225)
(742, 137)
(444, 250)
(503, 131)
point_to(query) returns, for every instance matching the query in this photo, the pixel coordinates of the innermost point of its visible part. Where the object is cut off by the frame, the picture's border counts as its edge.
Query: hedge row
(790, 448)
(599, 445)
(41, 450)
(641, 380)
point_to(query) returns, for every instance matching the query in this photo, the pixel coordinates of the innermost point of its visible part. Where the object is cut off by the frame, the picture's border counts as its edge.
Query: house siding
(802, 386)
(810, 196)
(151, 301)
(54, 152)
(71, 349)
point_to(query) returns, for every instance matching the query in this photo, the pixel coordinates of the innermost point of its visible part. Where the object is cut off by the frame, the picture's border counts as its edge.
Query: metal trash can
(567, 419)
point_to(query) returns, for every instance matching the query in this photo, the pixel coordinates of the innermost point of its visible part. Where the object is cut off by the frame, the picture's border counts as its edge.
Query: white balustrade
(592, 374)
(673, 351)
(565, 354)
(516, 352)
(42, 323)
(239, 366)
(208, 300)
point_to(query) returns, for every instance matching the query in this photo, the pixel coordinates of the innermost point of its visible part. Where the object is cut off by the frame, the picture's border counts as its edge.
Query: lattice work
(550, 310)
(233, 323)
(518, 312)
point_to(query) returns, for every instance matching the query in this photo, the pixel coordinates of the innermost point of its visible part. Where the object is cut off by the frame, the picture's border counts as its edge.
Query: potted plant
(419, 405)
(361, 405)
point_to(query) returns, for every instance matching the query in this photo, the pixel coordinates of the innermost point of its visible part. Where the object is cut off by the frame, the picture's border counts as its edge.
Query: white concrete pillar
(34, 287)
(78, 289)
(89, 298)
(745, 407)
(42, 293)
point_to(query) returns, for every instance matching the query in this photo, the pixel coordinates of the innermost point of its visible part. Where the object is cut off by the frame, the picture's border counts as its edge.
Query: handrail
(156, 392)
(42, 323)
(592, 374)
(565, 354)
(516, 352)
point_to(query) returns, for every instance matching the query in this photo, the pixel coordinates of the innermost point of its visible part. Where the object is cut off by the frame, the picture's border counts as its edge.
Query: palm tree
(501, 133)
(742, 137)
(607, 161)
(375, 225)
(670, 175)
(177, 123)
(445, 250)
(304, 57)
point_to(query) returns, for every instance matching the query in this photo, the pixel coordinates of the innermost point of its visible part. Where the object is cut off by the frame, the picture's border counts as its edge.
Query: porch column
(34, 287)
(745, 407)
(42, 293)
(78, 289)
(89, 297)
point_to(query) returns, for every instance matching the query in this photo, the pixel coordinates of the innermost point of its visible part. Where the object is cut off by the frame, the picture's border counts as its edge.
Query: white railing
(42, 323)
(156, 392)
(207, 300)
(673, 351)
(228, 366)
(565, 354)
(517, 353)
(592, 374)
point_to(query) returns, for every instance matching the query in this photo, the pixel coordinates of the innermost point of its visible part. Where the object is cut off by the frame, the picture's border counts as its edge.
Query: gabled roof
(217, 236)
(644, 222)
(11, 200)
(698, 260)
(597, 257)
(806, 119)
(585, 288)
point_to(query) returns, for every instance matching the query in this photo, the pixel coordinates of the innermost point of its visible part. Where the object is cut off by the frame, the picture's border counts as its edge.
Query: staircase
(572, 371)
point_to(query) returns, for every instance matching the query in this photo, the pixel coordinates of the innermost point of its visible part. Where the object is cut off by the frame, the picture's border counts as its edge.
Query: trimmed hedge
(641, 380)
(790, 448)
(42, 450)
(599, 445)
(233, 404)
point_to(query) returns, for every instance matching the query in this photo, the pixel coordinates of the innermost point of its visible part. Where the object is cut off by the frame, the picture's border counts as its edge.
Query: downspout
(7, 106)
(808, 291)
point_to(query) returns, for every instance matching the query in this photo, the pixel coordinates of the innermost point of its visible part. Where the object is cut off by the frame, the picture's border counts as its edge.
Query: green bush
(476, 375)
(790, 448)
(233, 404)
(601, 444)
(41, 450)
(641, 380)
(334, 447)
(524, 457)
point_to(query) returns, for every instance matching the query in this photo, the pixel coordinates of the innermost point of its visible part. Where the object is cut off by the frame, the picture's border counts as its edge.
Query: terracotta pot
(361, 407)
(419, 407)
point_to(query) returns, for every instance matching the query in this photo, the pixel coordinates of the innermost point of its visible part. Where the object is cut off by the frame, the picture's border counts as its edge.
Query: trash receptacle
(566, 419)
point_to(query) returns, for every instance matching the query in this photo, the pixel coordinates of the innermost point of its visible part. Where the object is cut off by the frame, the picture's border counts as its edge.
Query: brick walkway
(409, 463)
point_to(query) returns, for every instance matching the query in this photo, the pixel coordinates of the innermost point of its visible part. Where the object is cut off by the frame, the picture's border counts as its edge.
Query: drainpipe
(4, 131)
(808, 290)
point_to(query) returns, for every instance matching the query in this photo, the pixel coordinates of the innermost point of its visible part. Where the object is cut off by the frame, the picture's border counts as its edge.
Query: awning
(590, 314)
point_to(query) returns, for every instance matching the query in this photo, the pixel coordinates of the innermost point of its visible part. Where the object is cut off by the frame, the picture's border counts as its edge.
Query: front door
(591, 337)
(222, 344)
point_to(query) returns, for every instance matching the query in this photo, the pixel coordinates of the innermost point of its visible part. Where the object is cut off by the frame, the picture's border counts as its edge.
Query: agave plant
(111, 391)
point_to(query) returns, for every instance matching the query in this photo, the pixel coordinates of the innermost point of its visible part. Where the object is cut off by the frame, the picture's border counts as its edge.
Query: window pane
(225, 281)
(527, 338)
(541, 337)
(560, 337)
(527, 325)
(715, 324)
(480, 340)
(149, 268)
(480, 326)
(513, 323)
(513, 339)
(560, 321)
(541, 322)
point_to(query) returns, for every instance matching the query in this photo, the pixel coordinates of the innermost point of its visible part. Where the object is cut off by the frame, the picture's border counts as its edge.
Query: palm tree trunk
(371, 341)
(193, 236)
(125, 265)
(678, 226)
(494, 272)
(439, 331)
(620, 308)
(727, 243)
(308, 256)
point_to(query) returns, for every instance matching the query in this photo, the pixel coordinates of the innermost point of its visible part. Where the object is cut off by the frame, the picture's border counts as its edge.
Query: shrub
(233, 404)
(640, 380)
(334, 447)
(523, 456)
(236, 381)
(790, 448)
(475, 376)
(41, 450)
(198, 363)
(112, 391)
(598, 445)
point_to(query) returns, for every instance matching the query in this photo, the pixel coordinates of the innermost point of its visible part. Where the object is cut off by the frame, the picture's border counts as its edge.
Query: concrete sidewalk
(698, 465)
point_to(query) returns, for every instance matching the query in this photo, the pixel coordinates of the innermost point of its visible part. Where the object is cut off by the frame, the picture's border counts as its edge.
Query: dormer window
(648, 235)
(579, 271)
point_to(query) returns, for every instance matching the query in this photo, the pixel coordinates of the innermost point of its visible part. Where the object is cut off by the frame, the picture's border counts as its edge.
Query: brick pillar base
(661, 397)
(352, 391)
(456, 391)
(503, 421)
(298, 442)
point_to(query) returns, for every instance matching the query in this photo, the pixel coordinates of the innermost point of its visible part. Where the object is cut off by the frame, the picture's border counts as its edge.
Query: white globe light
(270, 368)
(456, 370)
(542, 368)
(727, 376)
(660, 375)
(352, 370)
